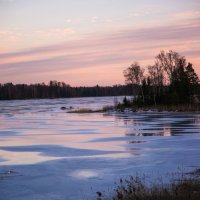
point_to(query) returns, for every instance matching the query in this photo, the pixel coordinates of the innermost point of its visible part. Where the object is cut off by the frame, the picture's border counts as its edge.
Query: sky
(90, 42)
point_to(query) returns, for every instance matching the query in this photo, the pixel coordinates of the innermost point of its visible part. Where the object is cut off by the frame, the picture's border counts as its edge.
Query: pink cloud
(102, 58)
(187, 15)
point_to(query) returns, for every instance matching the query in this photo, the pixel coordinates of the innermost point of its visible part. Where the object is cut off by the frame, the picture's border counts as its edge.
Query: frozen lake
(47, 153)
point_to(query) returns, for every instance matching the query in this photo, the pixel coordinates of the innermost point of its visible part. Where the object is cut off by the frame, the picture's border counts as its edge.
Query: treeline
(54, 89)
(171, 80)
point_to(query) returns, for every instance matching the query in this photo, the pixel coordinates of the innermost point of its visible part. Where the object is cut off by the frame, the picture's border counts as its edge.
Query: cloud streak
(187, 15)
(111, 52)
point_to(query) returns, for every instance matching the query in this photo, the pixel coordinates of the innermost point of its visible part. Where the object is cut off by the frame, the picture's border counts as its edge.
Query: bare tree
(156, 75)
(169, 61)
(134, 75)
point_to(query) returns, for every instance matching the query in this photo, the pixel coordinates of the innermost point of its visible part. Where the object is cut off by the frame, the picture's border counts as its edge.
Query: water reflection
(86, 136)
(23, 158)
(162, 124)
(165, 132)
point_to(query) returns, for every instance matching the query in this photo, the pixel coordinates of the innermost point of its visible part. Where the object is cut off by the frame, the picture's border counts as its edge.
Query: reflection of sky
(41, 136)
(77, 41)
(18, 158)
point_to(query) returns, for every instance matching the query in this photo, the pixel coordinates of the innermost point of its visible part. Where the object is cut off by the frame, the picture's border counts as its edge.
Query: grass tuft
(186, 187)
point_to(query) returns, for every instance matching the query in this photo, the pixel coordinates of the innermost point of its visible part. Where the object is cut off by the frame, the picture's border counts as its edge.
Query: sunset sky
(89, 42)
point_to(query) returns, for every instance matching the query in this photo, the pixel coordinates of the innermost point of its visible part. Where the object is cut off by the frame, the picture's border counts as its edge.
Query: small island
(171, 84)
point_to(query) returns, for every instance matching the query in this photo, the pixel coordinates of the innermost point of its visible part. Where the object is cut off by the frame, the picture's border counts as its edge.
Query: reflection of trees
(167, 132)
(140, 128)
(137, 127)
(196, 122)
(142, 125)
(164, 132)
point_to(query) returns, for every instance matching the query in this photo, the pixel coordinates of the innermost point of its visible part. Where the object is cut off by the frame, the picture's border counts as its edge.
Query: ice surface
(60, 155)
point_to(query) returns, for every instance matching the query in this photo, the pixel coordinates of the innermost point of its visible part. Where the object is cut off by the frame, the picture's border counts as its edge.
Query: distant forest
(54, 89)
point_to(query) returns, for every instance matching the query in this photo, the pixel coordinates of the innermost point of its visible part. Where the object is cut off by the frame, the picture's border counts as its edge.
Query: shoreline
(143, 109)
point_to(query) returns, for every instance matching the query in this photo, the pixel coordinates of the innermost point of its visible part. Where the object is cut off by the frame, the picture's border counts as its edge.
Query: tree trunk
(154, 96)
(142, 94)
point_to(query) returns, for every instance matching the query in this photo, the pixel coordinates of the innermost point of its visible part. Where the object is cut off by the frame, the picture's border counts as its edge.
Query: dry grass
(136, 108)
(186, 187)
(87, 110)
